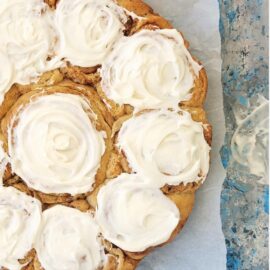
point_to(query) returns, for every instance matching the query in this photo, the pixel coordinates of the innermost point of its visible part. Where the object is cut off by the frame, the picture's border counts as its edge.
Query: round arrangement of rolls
(104, 139)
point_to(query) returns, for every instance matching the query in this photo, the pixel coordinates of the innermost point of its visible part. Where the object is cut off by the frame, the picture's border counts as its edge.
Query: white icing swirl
(165, 147)
(68, 239)
(88, 29)
(6, 75)
(151, 69)
(3, 162)
(54, 147)
(20, 217)
(27, 36)
(135, 217)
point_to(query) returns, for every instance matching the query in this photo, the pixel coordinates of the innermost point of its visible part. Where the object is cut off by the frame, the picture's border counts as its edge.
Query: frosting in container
(20, 217)
(27, 38)
(166, 147)
(68, 239)
(88, 29)
(53, 145)
(151, 69)
(133, 216)
(6, 75)
(250, 141)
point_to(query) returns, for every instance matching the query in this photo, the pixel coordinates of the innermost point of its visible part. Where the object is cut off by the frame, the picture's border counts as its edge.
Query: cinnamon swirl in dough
(20, 217)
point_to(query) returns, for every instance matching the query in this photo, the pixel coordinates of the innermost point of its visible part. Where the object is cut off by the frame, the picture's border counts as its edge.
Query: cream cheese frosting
(68, 239)
(135, 217)
(54, 146)
(151, 69)
(3, 162)
(166, 147)
(27, 38)
(6, 75)
(88, 29)
(20, 217)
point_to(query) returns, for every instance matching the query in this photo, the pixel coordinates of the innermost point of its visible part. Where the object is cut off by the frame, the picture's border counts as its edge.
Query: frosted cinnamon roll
(151, 69)
(28, 38)
(54, 145)
(6, 75)
(69, 239)
(135, 217)
(165, 147)
(88, 29)
(20, 217)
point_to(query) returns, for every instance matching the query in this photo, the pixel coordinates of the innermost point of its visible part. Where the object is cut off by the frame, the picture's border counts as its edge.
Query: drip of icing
(6, 75)
(133, 216)
(165, 147)
(3, 162)
(20, 217)
(88, 29)
(54, 146)
(250, 141)
(69, 239)
(151, 69)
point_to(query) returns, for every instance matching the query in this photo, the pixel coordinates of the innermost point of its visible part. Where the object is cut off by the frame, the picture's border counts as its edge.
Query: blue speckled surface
(245, 195)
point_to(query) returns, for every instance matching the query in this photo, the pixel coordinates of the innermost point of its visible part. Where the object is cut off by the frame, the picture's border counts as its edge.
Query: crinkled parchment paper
(201, 244)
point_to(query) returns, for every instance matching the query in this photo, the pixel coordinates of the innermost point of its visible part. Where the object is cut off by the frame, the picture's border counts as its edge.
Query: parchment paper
(201, 244)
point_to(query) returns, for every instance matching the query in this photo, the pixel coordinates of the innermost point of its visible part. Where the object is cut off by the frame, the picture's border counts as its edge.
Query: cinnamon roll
(69, 239)
(133, 216)
(54, 145)
(20, 217)
(88, 29)
(151, 69)
(27, 38)
(166, 147)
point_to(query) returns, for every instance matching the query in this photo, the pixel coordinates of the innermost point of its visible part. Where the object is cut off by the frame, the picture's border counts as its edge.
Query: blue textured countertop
(245, 195)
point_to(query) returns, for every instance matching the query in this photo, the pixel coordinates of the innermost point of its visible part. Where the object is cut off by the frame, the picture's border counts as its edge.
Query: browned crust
(137, 6)
(72, 79)
(51, 3)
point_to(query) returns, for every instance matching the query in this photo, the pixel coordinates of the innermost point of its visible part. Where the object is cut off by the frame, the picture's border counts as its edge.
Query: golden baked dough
(86, 82)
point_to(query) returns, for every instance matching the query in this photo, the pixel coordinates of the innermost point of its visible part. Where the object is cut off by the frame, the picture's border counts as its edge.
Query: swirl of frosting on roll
(165, 147)
(54, 146)
(69, 239)
(28, 38)
(151, 69)
(6, 75)
(88, 29)
(3, 162)
(20, 217)
(133, 216)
